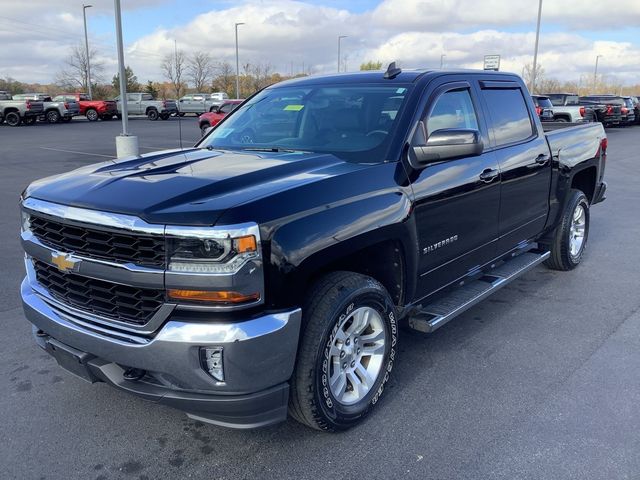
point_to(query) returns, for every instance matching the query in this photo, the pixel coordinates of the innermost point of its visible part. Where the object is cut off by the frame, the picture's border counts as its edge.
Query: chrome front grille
(113, 301)
(109, 245)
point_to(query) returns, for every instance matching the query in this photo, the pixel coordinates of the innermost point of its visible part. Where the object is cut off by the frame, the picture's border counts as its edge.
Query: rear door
(197, 104)
(133, 103)
(456, 201)
(523, 154)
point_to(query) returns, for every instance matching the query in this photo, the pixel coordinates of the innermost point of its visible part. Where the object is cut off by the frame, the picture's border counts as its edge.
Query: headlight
(211, 255)
(216, 267)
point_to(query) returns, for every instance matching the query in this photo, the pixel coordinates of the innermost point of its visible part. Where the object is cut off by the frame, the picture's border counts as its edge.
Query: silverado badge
(64, 261)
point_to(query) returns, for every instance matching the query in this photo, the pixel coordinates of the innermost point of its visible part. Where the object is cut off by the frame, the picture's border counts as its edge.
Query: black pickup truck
(266, 271)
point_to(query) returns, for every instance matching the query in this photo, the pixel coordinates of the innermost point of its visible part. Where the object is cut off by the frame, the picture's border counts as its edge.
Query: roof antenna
(392, 71)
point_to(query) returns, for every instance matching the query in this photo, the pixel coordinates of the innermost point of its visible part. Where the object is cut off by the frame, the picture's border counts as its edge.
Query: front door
(133, 104)
(456, 201)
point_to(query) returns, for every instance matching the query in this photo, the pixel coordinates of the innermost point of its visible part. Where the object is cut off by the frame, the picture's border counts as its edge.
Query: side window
(198, 98)
(509, 115)
(147, 96)
(226, 108)
(452, 109)
(132, 97)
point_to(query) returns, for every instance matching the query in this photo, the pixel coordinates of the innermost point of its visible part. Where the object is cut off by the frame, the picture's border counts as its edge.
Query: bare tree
(200, 69)
(74, 72)
(173, 68)
(527, 76)
(261, 74)
(224, 81)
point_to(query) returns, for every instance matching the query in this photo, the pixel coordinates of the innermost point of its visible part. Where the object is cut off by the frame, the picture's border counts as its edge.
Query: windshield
(355, 123)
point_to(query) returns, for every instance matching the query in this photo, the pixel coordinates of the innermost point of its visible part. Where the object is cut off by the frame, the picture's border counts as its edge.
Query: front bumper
(259, 356)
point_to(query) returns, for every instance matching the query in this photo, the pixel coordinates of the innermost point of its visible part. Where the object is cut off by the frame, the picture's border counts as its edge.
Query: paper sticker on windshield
(223, 132)
(294, 108)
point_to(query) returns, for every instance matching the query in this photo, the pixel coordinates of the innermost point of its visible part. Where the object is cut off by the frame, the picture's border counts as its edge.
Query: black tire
(181, 114)
(13, 119)
(152, 115)
(92, 115)
(203, 128)
(30, 120)
(560, 119)
(52, 116)
(562, 258)
(1, 118)
(165, 116)
(327, 309)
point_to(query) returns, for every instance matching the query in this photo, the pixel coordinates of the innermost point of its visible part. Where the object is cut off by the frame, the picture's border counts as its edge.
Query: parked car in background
(567, 108)
(15, 112)
(211, 119)
(4, 95)
(636, 108)
(544, 108)
(199, 103)
(54, 111)
(630, 111)
(607, 108)
(92, 109)
(145, 104)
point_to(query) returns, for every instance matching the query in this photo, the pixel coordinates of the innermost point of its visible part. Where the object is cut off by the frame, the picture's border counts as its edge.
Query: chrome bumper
(259, 352)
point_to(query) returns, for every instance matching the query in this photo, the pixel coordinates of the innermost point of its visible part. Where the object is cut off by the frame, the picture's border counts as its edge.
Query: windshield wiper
(274, 149)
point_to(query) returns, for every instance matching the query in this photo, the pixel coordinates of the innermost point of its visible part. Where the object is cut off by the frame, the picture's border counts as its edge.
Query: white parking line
(75, 151)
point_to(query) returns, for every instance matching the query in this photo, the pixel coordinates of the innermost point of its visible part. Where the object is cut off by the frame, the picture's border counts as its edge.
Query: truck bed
(573, 143)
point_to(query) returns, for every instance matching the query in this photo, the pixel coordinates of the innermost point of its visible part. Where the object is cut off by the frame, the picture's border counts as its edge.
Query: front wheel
(569, 239)
(347, 351)
(92, 115)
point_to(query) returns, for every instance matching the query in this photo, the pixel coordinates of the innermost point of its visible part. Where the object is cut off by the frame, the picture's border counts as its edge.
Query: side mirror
(447, 144)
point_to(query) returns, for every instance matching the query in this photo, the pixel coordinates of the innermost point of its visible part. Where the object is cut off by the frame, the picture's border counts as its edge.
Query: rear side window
(509, 115)
(147, 96)
(453, 109)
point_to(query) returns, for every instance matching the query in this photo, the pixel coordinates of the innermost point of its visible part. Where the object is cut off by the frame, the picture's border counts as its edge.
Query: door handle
(542, 159)
(489, 174)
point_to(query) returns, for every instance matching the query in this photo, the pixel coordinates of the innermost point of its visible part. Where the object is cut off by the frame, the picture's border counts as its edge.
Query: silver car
(200, 103)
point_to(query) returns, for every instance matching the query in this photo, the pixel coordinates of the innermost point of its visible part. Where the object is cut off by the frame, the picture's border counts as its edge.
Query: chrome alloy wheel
(576, 233)
(356, 355)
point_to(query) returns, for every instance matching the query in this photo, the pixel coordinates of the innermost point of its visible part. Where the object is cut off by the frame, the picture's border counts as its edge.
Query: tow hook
(133, 374)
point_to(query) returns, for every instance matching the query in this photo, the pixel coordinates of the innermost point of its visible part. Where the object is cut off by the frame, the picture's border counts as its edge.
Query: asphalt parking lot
(540, 381)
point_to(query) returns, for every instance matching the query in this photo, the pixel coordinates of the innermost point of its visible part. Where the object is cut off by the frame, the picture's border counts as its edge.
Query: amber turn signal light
(246, 244)
(211, 296)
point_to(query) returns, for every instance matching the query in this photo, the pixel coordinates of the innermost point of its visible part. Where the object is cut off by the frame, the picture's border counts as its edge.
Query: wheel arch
(585, 181)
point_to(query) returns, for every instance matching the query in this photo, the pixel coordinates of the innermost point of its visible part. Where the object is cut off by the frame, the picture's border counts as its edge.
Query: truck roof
(377, 76)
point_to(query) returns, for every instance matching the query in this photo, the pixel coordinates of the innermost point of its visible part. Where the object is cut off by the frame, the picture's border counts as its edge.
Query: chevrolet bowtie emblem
(64, 261)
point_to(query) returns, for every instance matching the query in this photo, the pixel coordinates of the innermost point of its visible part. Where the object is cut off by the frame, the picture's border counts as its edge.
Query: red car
(211, 119)
(92, 109)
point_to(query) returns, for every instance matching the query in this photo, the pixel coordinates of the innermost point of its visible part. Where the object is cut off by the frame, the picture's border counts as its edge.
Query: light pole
(442, 61)
(86, 46)
(126, 145)
(340, 37)
(595, 75)
(237, 63)
(535, 51)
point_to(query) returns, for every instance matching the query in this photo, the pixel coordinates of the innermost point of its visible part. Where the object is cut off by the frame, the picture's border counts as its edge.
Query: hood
(189, 187)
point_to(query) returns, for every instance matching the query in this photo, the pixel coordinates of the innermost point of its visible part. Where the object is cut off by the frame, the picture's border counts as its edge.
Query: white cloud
(415, 32)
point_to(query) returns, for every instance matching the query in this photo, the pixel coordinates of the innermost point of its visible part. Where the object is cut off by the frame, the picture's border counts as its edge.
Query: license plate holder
(72, 360)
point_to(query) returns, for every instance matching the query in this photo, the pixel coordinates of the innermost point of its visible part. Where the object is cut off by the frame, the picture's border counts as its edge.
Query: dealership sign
(492, 62)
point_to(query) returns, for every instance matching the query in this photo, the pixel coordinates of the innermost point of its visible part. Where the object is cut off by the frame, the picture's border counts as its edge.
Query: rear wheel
(346, 354)
(569, 239)
(52, 116)
(152, 115)
(12, 119)
(92, 115)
